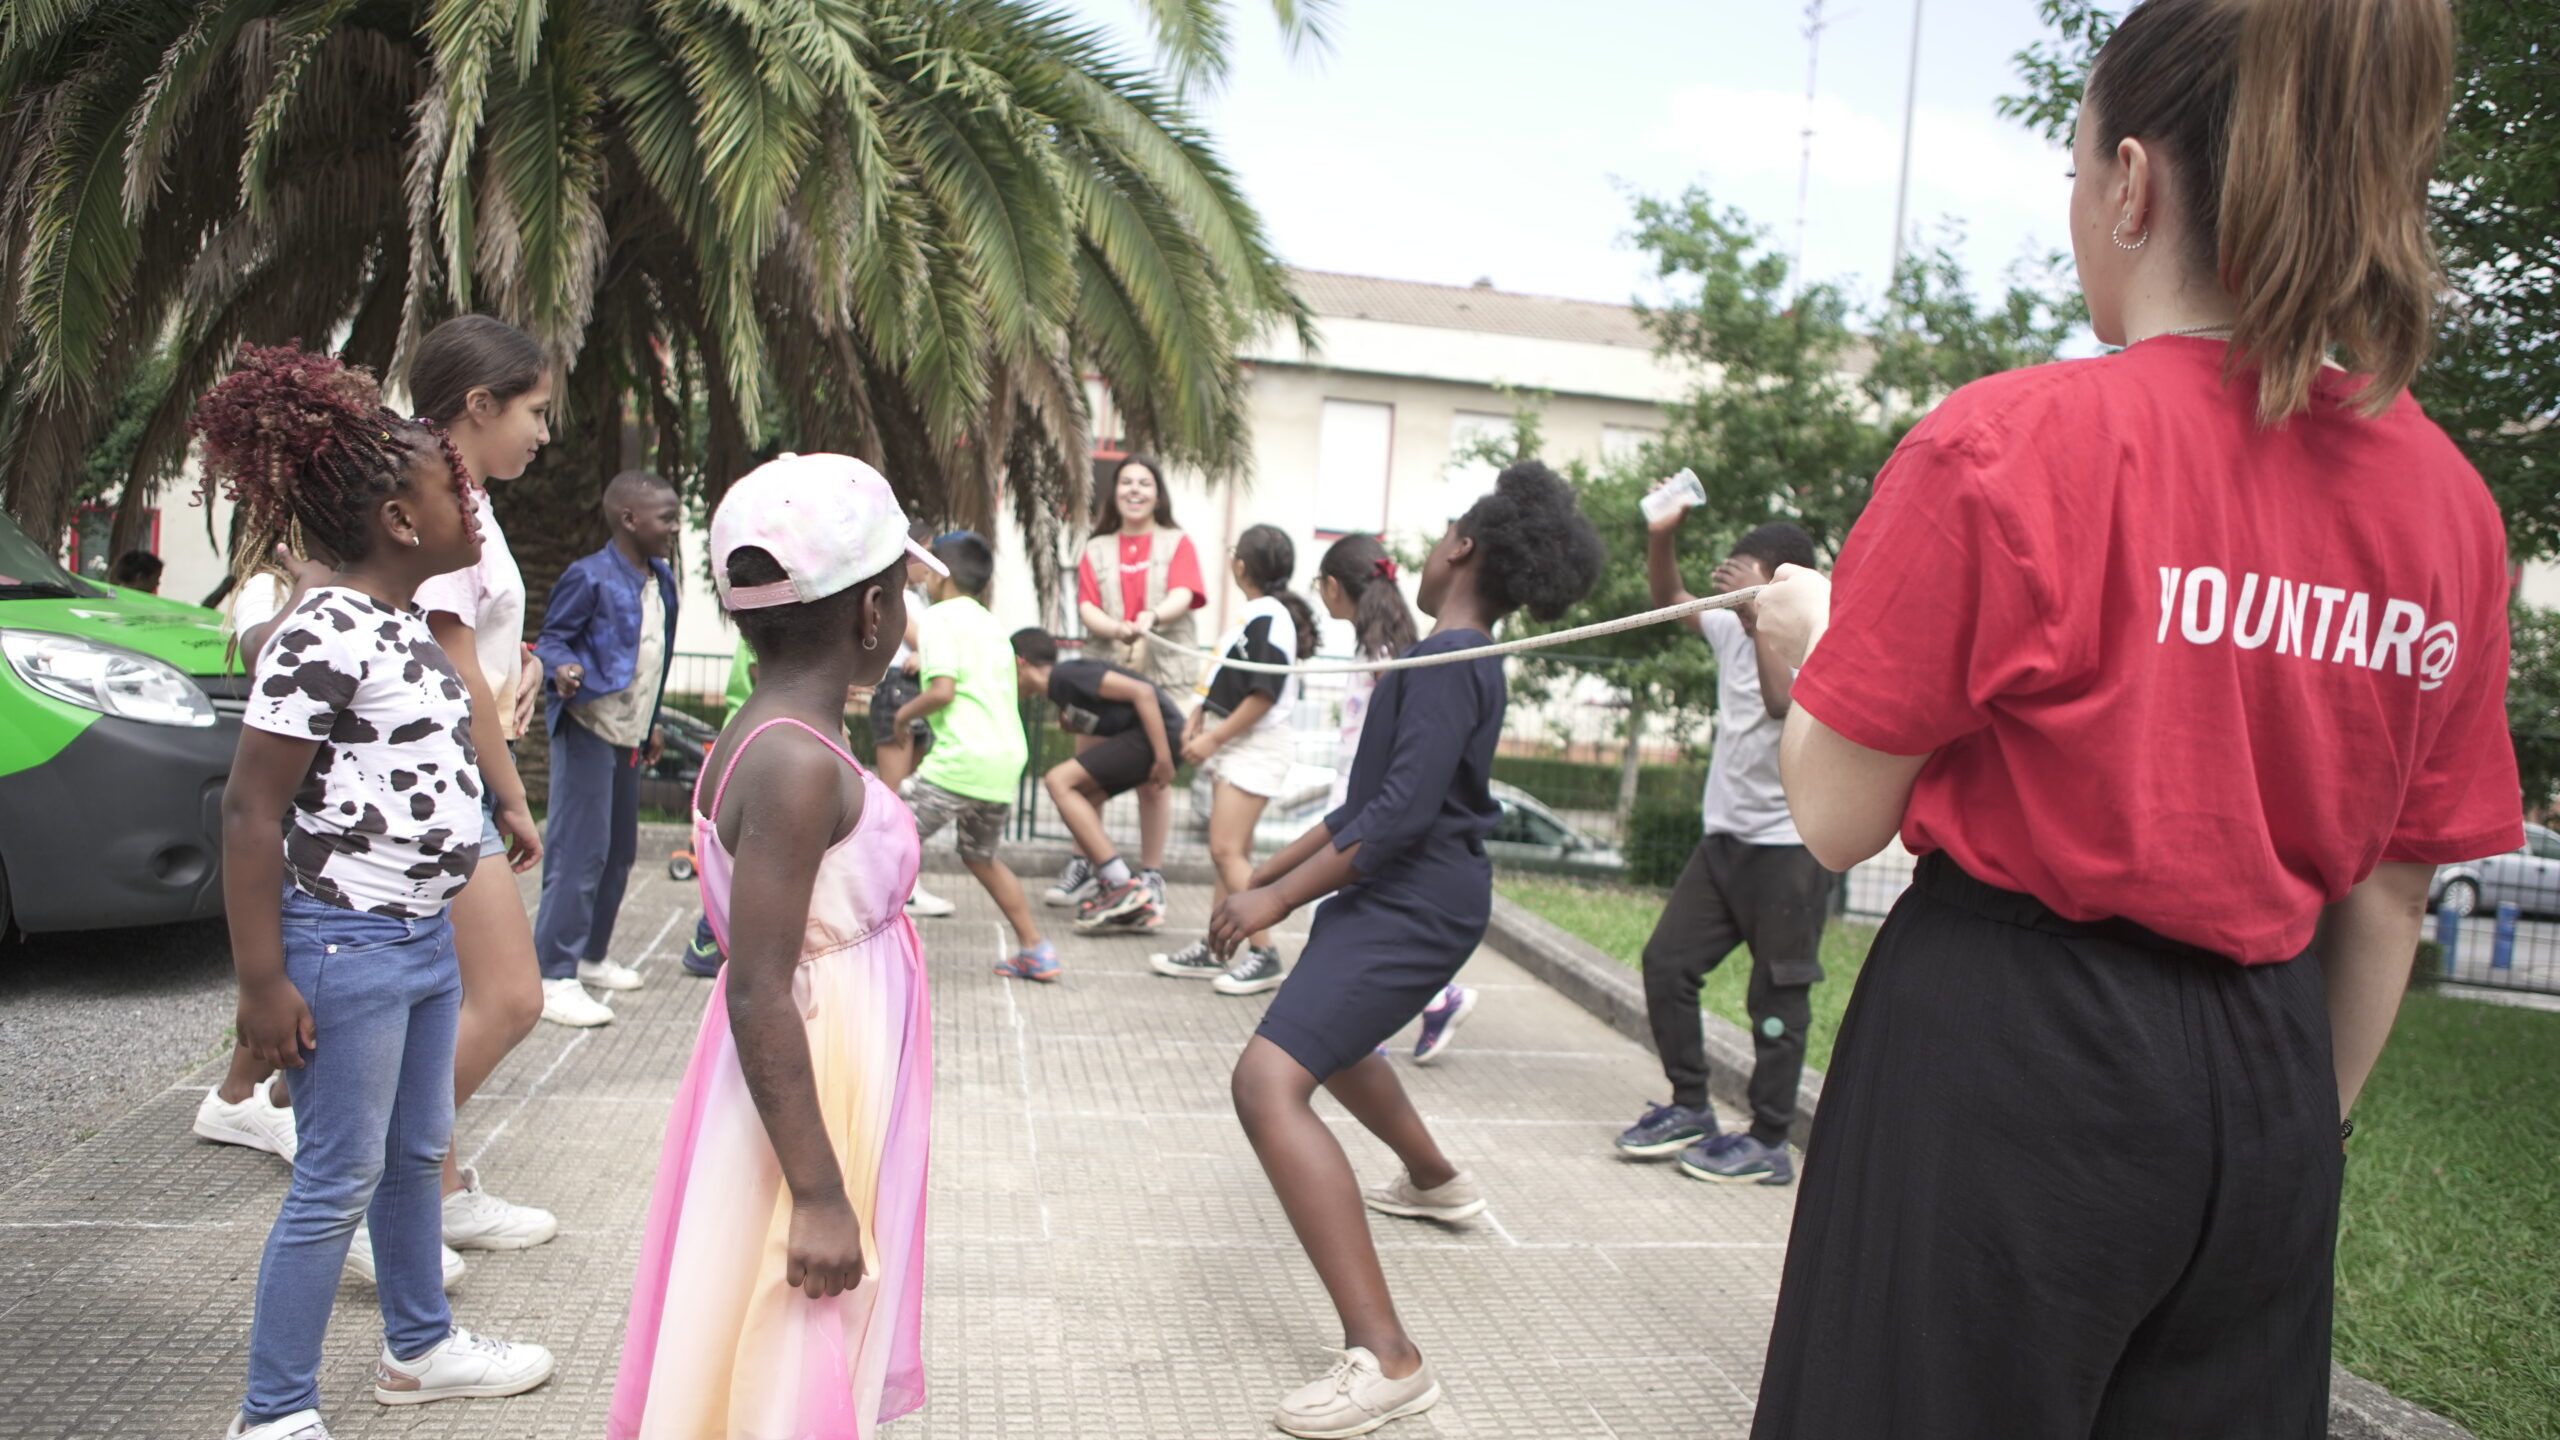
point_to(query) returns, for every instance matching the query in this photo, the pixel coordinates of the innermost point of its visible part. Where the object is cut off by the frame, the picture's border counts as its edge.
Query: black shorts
(1121, 763)
(2067, 1179)
(887, 699)
(1375, 956)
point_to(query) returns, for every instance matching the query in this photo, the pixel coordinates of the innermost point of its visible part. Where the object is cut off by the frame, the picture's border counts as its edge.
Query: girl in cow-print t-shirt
(388, 820)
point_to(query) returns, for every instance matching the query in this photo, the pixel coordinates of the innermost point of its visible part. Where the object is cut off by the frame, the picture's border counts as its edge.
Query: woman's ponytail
(2303, 134)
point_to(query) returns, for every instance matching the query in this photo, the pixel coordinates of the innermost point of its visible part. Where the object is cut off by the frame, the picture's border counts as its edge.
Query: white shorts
(1256, 762)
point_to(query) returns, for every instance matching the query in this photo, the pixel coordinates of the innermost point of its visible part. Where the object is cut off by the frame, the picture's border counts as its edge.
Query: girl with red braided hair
(357, 749)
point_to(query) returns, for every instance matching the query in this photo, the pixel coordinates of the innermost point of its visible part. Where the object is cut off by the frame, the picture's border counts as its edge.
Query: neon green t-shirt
(978, 750)
(740, 686)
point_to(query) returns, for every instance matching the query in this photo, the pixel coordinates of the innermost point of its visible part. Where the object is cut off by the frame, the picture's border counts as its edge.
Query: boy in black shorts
(1140, 731)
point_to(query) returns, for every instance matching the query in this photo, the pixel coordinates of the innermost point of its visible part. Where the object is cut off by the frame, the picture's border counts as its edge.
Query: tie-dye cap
(830, 520)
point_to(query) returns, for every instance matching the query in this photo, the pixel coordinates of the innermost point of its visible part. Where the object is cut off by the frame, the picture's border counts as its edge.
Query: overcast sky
(1448, 140)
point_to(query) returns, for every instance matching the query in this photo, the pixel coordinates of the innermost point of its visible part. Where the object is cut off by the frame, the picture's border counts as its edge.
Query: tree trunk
(1631, 764)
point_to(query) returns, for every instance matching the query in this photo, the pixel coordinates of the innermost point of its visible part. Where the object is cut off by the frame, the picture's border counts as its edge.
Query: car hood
(182, 635)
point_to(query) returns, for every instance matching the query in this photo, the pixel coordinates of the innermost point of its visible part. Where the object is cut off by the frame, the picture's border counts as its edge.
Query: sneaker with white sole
(1255, 971)
(465, 1366)
(1440, 1021)
(300, 1425)
(360, 1259)
(1074, 887)
(566, 1002)
(474, 1219)
(1354, 1398)
(1460, 1199)
(608, 975)
(257, 1122)
(1191, 962)
(925, 905)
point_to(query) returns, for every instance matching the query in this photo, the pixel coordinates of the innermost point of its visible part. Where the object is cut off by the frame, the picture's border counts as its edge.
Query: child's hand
(528, 693)
(1243, 917)
(826, 1247)
(567, 678)
(274, 1024)
(1199, 748)
(523, 838)
(1161, 773)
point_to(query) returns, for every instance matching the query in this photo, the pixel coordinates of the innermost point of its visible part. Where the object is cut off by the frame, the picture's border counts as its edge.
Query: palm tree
(905, 229)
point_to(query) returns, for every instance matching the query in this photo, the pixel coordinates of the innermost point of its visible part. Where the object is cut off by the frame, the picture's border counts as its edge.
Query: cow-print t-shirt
(388, 821)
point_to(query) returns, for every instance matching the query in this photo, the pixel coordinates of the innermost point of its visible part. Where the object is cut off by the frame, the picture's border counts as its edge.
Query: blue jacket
(593, 620)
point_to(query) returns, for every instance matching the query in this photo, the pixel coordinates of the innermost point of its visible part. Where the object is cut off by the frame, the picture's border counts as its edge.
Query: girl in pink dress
(781, 1281)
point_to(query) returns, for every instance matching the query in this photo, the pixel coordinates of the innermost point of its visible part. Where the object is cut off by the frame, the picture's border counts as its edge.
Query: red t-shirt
(2173, 667)
(1137, 554)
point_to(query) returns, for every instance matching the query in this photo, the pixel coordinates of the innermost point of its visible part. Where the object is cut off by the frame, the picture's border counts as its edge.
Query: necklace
(2222, 331)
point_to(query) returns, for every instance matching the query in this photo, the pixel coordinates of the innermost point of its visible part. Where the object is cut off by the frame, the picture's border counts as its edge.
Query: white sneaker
(257, 1122)
(474, 1219)
(300, 1425)
(465, 1366)
(566, 1002)
(1354, 1398)
(608, 975)
(360, 1259)
(925, 905)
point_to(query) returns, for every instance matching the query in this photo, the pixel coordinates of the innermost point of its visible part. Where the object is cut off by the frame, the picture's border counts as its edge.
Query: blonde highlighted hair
(2303, 134)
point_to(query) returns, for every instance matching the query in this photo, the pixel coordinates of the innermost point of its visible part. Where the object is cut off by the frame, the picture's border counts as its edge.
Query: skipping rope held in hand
(1729, 600)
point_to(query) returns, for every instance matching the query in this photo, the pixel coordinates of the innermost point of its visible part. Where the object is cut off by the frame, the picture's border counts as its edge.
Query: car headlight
(106, 679)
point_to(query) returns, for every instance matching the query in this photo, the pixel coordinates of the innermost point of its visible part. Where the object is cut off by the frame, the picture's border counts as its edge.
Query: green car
(118, 719)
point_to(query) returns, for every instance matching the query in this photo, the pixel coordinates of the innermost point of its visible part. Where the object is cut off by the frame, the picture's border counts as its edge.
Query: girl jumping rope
(1403, 859)
(780, 1288)
(358, 732)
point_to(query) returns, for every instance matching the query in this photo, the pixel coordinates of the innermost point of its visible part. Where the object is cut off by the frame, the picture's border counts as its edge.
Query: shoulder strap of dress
(721, 792)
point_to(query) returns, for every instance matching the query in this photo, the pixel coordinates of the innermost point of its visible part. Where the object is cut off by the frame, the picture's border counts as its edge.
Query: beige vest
(1174, 673)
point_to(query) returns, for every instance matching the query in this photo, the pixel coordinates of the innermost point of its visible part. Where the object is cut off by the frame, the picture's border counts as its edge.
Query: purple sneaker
(1440, 1021)
(1738, 1160)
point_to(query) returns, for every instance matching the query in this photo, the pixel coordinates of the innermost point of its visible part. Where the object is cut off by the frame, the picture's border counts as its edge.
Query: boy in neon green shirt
(974, 769)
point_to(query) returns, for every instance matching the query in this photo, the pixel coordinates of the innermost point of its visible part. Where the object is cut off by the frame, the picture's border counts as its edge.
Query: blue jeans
(589, 841)
(374, 1105)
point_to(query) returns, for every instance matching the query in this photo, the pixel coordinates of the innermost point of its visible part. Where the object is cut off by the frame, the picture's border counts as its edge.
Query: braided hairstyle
(1380, 620)
(305, 447)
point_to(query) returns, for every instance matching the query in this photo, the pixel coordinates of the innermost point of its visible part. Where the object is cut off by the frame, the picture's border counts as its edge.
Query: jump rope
(1729, 600)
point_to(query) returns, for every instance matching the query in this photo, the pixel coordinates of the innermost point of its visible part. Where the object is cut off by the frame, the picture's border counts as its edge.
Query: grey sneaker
(1665, 1130)
(1191, 962)
(1255, 971)
(1738, 1160)
(1458, 1200)
(1074, 887)
(300, 1425)
(1354, 1398)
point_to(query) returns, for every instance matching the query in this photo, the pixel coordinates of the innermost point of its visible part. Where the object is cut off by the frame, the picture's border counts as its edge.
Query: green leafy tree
(2493, 381)
(2533, 705)
(899, 228)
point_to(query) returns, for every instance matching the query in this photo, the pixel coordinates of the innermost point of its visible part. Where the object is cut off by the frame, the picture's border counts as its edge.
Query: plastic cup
(1684, 493)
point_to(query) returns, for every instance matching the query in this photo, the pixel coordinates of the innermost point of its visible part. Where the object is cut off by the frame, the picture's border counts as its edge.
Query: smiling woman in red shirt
(2180, 669)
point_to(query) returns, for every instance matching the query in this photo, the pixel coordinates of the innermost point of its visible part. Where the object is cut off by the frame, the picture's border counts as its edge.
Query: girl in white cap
(781, 1274)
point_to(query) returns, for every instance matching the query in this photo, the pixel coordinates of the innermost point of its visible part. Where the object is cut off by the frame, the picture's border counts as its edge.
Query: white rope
(1730, 600)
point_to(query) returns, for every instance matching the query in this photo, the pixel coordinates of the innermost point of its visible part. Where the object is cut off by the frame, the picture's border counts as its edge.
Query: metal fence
(1562, 780)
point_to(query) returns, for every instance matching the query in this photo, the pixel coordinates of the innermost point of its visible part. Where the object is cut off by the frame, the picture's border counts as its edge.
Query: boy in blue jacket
(608, 635)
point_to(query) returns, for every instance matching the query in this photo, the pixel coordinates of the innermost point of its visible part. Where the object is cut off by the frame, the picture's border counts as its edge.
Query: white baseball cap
(830, 520)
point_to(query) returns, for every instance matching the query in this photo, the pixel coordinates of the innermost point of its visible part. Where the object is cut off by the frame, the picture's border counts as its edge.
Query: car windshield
(27, 572)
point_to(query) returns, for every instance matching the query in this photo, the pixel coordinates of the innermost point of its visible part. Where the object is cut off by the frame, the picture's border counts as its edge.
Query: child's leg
(981, 831)
(1079, 802)
(1273, 1097)
(576, 836)
(344, 1094)
(243, 1077)
(622, 847)
(1232, 815)
(501, 983)
(407, 1215)
(1696, 932)
(1376, 1098)
(1155, 823)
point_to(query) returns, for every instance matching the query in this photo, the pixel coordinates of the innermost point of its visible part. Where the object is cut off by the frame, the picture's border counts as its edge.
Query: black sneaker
(1738, 1160)
(1075, 885)
(1255, 971)
(1191, 962)
(1666, 1130)
(701, 954)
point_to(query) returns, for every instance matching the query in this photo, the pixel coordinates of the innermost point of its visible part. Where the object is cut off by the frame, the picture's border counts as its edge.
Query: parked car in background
(119, 716)
(2527, 877)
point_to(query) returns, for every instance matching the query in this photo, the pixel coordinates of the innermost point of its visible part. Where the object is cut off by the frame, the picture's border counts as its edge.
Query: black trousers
(1771, 898)
(2069, 1180)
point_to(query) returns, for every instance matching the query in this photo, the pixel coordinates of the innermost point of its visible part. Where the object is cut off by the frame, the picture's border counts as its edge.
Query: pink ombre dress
(719, 1348)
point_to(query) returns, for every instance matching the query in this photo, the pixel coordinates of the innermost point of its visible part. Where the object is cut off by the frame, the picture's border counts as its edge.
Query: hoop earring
(2117, 235)
(871, 641)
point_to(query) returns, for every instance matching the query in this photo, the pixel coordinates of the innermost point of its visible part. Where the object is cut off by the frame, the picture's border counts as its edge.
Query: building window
(1620, 444)
(1354, 446)
(1474, 435)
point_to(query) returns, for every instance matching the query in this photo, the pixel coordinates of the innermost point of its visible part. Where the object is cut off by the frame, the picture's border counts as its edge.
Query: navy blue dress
(1420, 806)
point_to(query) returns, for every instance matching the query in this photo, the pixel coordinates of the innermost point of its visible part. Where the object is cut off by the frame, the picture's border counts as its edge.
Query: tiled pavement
(1105, 1258)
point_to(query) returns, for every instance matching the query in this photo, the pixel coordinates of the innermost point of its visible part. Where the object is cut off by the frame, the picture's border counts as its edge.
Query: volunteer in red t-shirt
(2181, 669)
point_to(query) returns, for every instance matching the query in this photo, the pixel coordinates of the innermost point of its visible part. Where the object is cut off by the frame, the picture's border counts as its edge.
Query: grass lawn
(1618, 919)
(2449, 1239)
(2449, 1243)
